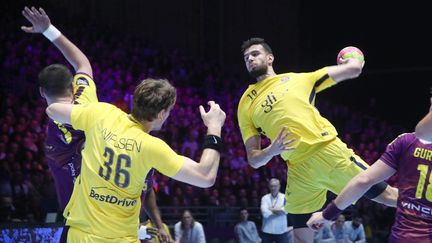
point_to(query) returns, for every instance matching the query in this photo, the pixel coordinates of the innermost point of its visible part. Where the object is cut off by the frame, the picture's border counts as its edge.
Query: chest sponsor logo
(420, 209)
(110, 196)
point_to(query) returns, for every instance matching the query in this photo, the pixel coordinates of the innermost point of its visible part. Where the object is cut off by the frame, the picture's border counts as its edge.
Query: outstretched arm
(424, 127)
(258, 157)
(356, 188)
(42, 24)
(60, 112)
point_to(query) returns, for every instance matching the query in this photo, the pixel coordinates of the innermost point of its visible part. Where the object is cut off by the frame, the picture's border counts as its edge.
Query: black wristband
(331, 212)
(213, 142)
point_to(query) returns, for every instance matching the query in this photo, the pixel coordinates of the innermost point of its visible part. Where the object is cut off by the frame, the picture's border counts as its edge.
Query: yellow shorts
(76, 235)
(328, 169)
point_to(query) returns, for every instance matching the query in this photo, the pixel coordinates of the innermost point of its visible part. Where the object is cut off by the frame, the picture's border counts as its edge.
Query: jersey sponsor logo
(268, 103)
(73, 171)
(424, 211)
(82, 81)
(104, 194)
(284, 79)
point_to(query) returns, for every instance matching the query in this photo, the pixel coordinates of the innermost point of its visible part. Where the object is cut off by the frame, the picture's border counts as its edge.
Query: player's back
(412, 159)
(116, 159)
(63, 144)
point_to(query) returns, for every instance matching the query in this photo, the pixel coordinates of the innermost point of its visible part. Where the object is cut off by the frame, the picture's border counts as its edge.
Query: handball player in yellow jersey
(64, 144)
(120, 152)
(281, 107)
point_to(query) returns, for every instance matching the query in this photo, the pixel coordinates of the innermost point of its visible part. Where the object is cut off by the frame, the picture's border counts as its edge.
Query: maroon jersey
(63, 144)
(413, 161)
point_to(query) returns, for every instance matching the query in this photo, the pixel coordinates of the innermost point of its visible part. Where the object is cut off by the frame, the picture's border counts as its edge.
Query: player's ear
(161, 114)
(270, 58)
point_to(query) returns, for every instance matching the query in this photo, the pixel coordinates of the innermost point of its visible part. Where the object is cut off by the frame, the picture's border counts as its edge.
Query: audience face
(244, 215)
(187, 219)
(340, 220)
(357, 221)
(274, 186)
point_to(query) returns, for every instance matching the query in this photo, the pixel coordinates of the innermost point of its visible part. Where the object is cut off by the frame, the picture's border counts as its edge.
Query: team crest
(284, 79)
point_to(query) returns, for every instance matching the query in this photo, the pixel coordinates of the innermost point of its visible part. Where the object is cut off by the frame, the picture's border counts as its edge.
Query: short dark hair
(152, 96)
(56, 80)
(256, 41)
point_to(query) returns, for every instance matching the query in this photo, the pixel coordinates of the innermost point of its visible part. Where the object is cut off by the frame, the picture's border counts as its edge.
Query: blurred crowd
(27, 191)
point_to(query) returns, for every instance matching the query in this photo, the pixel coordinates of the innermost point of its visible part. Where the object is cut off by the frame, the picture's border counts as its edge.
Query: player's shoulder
(407, 137)
(81, 79)
(403, 139)
(101, 105)
(244, 97)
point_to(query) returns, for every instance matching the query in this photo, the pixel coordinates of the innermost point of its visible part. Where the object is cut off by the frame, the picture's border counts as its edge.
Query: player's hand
(316, 221)
(277, 211)
(281, 144)
(351, 61)
(164, 237)
(215, 117)
(38, 18)
(153, 232)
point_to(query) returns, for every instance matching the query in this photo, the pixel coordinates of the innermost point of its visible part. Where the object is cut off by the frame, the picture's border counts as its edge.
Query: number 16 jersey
(413, 161)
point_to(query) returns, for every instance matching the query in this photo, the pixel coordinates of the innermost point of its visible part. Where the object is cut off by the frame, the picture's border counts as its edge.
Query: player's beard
(258, 71)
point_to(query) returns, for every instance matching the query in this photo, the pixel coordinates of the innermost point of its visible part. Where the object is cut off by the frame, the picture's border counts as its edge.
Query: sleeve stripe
(84, 74)
(317, 83)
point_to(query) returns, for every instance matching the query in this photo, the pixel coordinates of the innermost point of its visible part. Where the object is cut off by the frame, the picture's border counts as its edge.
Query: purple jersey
(413, 161)
(63, 144)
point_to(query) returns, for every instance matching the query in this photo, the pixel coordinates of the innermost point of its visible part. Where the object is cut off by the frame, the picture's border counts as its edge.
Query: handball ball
(350, 52)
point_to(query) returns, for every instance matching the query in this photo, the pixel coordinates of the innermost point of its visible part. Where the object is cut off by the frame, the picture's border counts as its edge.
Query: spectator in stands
(275, 223)
(355, 230)
(188, 230)
(246, 231)
(339, 230)
(324, 235)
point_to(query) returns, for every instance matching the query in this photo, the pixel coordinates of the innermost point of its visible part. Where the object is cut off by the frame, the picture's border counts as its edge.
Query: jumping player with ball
(281, 107)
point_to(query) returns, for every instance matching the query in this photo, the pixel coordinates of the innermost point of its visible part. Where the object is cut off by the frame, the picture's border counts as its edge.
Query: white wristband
(52, 33)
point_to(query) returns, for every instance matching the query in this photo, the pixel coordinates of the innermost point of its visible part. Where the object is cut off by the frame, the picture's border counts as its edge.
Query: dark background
(304, 35)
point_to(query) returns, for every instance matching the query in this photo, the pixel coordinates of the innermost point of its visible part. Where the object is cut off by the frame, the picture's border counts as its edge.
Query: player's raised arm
(42, 24)
(424, 127)
(258, 157)
(60, 112)
(203, 174)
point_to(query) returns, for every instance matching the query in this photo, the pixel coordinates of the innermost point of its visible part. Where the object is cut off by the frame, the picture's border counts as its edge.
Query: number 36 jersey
(413, 161)
(115, 161)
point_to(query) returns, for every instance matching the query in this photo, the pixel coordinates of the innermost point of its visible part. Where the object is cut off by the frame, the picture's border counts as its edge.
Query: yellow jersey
(115, 161)
(84, 89)
(287, 100)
